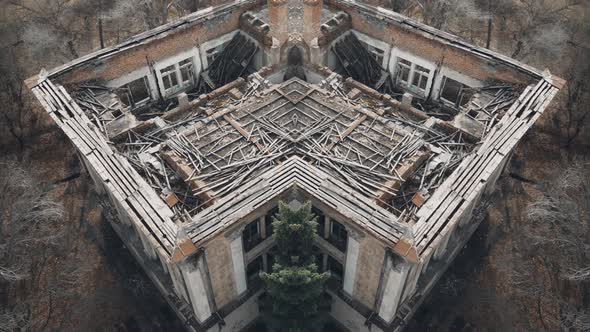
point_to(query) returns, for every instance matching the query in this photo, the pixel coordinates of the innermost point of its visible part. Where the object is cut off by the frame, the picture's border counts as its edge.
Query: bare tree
(29, 229)
(575, 319)
(553, 250)
(574, 114)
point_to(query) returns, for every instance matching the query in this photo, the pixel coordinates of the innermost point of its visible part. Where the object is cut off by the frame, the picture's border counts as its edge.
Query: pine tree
(295, 299)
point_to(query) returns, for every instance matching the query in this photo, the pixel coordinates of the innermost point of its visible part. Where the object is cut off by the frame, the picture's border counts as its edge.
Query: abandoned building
(395, 132)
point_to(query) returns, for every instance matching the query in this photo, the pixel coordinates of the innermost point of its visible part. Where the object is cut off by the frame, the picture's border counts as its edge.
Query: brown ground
(111, 292)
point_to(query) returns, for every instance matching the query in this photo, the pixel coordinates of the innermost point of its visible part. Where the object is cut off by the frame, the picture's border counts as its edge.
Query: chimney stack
(278, 11)
(312, 16)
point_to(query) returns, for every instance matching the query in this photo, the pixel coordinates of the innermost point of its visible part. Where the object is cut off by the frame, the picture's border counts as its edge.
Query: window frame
(174, 73)
(190, 64)
(169, 72)
(413, 69)
(260, 261)
(423, 76)
(249, 242)
(335, 238)
(331, 262)
(126, 91)
(460, 95)
(321, 221)
(401, 66)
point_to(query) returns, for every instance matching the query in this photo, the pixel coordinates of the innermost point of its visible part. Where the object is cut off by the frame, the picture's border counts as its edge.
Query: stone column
(352, 255)
(194, 277)
(442, 247)
(394, 281)
(327, 227)
(237, 257)
(278, 11)
(312, 15)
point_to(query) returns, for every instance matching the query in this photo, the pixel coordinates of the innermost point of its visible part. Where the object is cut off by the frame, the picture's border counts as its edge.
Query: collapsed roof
(197, 166)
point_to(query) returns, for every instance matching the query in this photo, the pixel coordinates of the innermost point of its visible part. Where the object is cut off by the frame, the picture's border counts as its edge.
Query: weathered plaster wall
(219, 263)
(369, 268)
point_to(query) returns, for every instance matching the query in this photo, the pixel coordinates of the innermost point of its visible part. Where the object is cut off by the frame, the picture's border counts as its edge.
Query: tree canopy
(295, 289)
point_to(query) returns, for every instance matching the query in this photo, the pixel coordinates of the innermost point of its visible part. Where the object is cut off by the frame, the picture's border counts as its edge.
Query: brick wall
(159, 48)
(455, 58)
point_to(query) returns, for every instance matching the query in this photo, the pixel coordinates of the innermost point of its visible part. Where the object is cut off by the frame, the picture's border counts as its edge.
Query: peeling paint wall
(221, 272)
(369, 269)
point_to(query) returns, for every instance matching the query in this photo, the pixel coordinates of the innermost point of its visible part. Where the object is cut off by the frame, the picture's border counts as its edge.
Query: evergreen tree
(295, 300)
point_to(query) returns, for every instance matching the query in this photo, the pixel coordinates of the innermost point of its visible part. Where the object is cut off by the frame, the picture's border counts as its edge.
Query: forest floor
(111, 293)
(474, 294)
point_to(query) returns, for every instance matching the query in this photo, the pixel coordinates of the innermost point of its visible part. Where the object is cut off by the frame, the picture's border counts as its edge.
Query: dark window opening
(336, 269)
(186, 71)
(135, 92)
(321, 220)
(318, 257)
(254, 268)
(251, 235)
(338, 235)
(455, 93)
(268, 219)
(295, 64)
(270, 261)
(403, 70)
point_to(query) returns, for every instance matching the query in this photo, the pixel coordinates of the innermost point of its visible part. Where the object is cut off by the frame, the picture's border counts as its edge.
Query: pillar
(194, 276)
(278, 11)
(396, 273)
(442, 247)
(312, 15)
(327, 227)
(237, 257)
(352, 254)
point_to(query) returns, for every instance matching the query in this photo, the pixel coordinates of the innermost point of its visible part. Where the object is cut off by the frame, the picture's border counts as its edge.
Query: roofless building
(395, 132)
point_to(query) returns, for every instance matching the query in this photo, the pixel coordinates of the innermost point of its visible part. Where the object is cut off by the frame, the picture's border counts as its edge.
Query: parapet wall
(158, 44)
(437, 46)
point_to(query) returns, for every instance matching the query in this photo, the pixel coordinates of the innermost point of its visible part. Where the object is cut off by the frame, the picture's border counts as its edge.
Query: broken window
(186, 71)
(404, 68)
(411, 75)
(135, 93)
(213, 52)
(169, 78)
(338, 235)
(420, 78)
(177, 76)
(455, 93)
(377, 53)
(251, 235)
